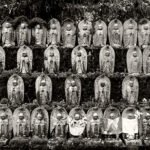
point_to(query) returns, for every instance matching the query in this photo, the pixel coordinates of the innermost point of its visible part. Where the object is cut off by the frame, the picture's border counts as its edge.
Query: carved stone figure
(15, 90)
(131, 126)
(100, 34)
(54, 32)
(84, 35)
(21, 122)
(94, 122)
(102, 87)
(2, 59)
(58, 122)
(73, 90)
(24, 59)
(144, 33)
(51, 59)
(134, 60)
(8, 33)
(146, 60)
(130, 33)
(23, 33)
(43, 86)
(40, 122)
(112, 122)
(69, 34)
(115, 32)
(107, 60)
(38, 31)
(145, 119)
(130, 89)
(79, 60)
(77, 122)
(5, 125)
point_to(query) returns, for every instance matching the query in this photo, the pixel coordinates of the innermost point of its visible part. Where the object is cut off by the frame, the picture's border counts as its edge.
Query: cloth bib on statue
(130, 126)
(76, 129)
(112, 125)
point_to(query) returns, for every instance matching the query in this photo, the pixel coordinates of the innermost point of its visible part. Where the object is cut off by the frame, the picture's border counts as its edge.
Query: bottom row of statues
(132, 124)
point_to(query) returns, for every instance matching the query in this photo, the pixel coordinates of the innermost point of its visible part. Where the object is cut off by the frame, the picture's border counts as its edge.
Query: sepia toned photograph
(74, 74)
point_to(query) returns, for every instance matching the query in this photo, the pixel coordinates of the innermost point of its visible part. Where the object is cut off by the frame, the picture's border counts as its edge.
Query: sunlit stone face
(21, 116)
(39, 116)
(15, 83)
(95, 116)
(59, 116)
(68, 27)
(77, 117)
(3, 116)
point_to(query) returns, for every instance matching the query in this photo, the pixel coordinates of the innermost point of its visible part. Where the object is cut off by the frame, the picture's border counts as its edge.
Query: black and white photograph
(74, 74)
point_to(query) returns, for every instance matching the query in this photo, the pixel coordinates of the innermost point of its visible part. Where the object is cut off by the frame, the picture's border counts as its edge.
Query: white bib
(130, 126)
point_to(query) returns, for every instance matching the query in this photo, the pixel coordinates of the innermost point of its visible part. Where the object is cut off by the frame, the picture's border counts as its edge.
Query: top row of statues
(86, 33)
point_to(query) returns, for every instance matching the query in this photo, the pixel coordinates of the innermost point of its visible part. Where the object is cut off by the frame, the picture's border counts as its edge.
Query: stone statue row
(133, 124)
(43, 89)
(86, 33)
(135, 60)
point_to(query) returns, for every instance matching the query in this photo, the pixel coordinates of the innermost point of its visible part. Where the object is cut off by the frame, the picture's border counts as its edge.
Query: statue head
(95, 116)
(130, 26)
(51, 54)
(53, 26)
(38, 26)
(146, 27)
(59, 116)
(39, 116)
(73, 83)
(131, 114)
(131, 83)
(77, 116)
(102, 84)
(15, 82)
(112, 115)
(43, 82)
(100, 27)
(85, 27)
(135, 53)
(21, 116)
(79, 54)
(116, 26)
(68, 27)
(24, 54)
(7, 25)
(107, 53)
(3, 115)
(23, 25)
(144, 121)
